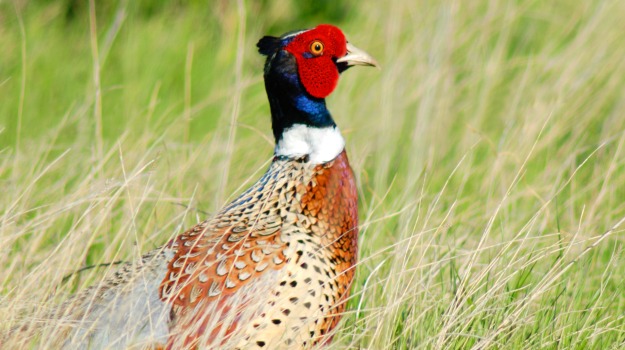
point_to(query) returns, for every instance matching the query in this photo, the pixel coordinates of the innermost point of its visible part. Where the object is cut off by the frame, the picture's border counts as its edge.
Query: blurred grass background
(488, 152)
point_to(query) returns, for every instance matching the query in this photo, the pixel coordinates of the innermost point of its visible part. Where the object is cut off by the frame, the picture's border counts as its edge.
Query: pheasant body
(290, 240)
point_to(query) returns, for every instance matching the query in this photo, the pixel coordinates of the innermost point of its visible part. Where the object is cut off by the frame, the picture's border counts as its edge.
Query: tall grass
(488, 151)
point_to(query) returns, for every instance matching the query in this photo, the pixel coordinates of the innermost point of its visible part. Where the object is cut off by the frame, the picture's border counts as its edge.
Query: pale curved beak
(357, 57)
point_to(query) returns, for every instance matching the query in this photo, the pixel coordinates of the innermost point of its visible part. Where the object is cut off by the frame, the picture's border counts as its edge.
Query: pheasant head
(301, 70)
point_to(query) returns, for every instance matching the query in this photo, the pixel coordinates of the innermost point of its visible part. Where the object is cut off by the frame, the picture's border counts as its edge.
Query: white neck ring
(320, 144)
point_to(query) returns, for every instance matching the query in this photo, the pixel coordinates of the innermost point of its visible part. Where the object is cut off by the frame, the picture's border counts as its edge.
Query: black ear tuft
(268, 45)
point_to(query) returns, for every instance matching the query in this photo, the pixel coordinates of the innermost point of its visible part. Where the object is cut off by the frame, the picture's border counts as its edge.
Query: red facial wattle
(318, 73)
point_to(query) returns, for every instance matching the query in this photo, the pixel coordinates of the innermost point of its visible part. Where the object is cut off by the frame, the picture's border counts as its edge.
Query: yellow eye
(316, 48)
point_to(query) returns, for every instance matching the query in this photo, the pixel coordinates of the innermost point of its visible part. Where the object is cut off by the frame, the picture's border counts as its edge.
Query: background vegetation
(488, 152)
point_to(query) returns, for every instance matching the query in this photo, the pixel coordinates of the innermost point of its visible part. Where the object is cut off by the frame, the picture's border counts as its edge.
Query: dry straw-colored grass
(488, 152)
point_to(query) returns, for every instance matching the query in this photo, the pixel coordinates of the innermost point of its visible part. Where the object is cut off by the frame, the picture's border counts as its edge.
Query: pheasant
(273, 268)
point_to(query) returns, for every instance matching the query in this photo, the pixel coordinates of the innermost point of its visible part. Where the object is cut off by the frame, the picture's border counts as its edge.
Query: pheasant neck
(302, 124)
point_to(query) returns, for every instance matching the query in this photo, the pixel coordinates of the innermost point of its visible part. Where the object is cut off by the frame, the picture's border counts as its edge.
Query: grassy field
(488, 152)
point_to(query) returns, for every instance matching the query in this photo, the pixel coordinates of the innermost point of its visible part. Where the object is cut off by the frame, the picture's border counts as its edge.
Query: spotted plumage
(296, 229)
(272, 269)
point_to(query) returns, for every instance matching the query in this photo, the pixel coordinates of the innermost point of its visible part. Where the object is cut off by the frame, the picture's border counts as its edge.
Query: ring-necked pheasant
(273, 268)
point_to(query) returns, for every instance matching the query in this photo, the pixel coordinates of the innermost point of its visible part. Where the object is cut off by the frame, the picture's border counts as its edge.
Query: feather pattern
(293, 234)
